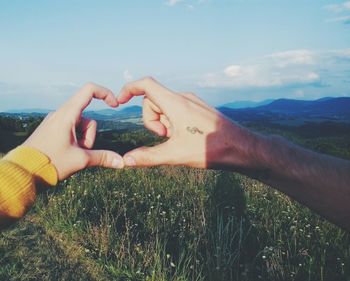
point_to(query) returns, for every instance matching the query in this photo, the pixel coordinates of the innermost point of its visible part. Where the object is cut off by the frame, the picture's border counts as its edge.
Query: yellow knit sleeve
(20, 171)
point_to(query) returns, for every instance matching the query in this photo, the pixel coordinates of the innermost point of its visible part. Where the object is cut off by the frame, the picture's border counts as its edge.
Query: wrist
(242, 150)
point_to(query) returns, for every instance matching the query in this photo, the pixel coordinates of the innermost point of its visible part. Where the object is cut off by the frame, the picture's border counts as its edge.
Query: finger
(157, 93)
(166, 122)
(105, 158)
(149, 156)
(151, 116)
(88, 129)
(83, 98)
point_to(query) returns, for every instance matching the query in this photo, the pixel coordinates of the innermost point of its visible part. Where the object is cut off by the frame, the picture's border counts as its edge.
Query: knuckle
(103, 159)
(85, 160)
(145, 102)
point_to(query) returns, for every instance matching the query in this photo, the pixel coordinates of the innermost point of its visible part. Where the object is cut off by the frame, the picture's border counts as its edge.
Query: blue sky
(223, 50)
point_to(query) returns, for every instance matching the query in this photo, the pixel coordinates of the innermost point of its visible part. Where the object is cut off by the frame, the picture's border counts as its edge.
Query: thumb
(149, 156)
(105, 158)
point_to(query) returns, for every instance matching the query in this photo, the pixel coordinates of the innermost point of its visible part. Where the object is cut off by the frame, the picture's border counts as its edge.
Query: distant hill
(246, 104)
(335, 109)
(103, 114)
(321, 106)
(110, 114)
(280, 110)
(135, 109)
(28, 111)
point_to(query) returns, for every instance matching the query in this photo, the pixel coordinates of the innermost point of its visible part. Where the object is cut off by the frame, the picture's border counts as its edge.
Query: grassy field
(174, 223)
(171, 224)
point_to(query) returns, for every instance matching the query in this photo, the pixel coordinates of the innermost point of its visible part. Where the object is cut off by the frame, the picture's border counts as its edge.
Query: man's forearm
(318, 181)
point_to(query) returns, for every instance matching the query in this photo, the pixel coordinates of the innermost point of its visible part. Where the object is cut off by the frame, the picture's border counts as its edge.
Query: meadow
(173, 223)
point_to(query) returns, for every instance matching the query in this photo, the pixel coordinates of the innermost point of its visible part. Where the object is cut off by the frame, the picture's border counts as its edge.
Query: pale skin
(56, 136)
(198, 136)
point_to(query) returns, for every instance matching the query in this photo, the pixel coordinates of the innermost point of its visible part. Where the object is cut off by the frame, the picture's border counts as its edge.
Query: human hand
(199, 136)
(57, 137)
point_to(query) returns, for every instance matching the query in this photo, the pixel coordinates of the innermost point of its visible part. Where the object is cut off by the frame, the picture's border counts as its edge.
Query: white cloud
(173, 2)
(342, 8)
(189, 4)
(278, 69)
(294, 57)
(260, 79)
(345, 53)
(299, 93)
(337, 56)
(127, 76)
(338, 8)
(233, 70)
(311, 77)
(341, 19)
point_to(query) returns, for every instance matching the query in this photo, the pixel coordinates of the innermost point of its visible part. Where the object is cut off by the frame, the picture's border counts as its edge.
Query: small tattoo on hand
(194, 130)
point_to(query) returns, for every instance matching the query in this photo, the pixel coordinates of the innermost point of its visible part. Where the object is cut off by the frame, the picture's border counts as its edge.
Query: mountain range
(335, 109)
(103, 114)
(246, 104)
(325, 108)
(134, 111)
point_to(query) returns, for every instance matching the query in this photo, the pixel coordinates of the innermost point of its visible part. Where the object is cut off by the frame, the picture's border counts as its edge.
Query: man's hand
(191, 126)
(57, 138)
(199, 136)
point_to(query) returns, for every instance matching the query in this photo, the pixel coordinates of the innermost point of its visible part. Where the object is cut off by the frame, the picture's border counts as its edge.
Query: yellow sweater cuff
(35, 162)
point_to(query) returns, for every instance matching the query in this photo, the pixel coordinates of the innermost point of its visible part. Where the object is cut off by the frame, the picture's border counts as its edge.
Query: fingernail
(130, 161)
(116, 163)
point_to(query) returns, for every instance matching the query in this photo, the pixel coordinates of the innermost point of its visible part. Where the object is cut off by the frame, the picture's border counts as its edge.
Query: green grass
(171, 224)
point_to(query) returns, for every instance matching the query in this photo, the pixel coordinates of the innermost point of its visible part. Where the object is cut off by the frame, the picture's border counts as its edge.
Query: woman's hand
(57, 135)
